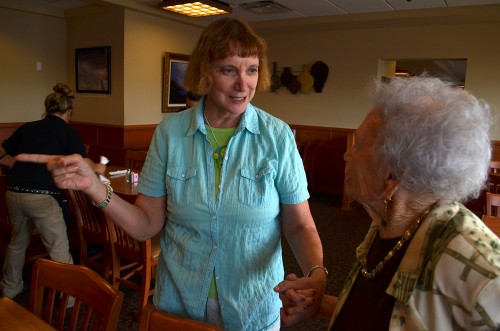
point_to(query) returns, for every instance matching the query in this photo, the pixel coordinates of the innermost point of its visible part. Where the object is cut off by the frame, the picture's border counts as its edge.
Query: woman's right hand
(70, 172)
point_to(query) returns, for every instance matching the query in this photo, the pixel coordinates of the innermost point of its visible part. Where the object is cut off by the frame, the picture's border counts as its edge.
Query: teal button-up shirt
(237, 235)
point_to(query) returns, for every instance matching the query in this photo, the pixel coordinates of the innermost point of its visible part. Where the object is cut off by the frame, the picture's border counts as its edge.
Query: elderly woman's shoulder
(473, 235)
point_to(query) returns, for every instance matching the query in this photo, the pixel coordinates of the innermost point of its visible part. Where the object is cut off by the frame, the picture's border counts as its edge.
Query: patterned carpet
(340, 232)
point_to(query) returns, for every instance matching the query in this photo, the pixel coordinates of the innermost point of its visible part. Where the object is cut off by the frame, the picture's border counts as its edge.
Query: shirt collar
(411, 267)
(249, 120)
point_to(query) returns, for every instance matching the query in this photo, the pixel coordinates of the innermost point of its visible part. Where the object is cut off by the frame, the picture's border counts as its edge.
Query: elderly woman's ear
(391, 186)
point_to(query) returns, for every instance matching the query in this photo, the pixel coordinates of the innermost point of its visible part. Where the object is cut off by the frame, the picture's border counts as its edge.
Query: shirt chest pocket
(256, 186)
(180, 185)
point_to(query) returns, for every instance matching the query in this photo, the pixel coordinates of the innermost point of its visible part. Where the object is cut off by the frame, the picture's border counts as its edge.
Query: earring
(386, 203)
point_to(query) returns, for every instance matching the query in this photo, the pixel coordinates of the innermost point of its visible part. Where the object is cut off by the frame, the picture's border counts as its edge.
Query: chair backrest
(492, 204)
(95, 240)
(132, 257)
(96, 306)
(495, 167)
(494, 177)
(155, 320)
(134, 160)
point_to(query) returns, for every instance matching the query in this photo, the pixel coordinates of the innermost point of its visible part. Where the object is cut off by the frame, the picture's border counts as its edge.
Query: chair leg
(146, 285)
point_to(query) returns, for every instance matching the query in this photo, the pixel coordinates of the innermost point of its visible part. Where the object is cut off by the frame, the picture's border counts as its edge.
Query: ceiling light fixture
(196, 8)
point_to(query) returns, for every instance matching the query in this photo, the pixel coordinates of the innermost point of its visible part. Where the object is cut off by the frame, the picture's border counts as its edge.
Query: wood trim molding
(321, 148)
(137, 137)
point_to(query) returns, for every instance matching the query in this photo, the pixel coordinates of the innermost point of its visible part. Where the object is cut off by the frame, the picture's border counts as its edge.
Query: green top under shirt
(223, 136)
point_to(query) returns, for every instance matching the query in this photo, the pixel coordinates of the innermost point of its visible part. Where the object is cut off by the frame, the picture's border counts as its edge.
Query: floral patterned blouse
(449, 278)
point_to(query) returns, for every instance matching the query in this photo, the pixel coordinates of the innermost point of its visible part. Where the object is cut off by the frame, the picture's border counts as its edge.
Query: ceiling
(273, 11)
(270, 10)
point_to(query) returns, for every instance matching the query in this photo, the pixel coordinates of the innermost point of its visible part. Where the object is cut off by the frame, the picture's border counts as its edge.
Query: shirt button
(183, 175)
(215, 246)
(256, 176)
(217, 277)
(214, 217)
(226, 158)
(220, 186)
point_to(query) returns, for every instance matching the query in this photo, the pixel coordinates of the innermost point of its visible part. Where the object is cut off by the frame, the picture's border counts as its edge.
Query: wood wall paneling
(138, 137)
(113, 140)
(322, 149)
(6, 130)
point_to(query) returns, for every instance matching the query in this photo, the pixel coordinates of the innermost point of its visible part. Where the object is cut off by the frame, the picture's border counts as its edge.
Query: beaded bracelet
(108, 197)
(317, 267)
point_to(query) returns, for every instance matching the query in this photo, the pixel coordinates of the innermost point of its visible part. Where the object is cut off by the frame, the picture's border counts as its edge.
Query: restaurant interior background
(38, 49)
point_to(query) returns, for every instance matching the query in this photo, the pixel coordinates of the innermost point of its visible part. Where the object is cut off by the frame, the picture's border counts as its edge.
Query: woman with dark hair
(33, 199)
(222, 181)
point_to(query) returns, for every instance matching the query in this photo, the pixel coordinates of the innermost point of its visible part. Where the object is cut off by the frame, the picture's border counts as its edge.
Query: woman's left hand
(301, 297)
(70, 172)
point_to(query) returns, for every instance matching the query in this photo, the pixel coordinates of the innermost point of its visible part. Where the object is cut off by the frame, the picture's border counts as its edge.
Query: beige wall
(138, 42)
(24, 40)
(351, 46)
(147, 38)
(95, 27)
(352, 51)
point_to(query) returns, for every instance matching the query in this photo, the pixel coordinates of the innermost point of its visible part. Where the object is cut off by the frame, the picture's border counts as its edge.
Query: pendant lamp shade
(196, 8)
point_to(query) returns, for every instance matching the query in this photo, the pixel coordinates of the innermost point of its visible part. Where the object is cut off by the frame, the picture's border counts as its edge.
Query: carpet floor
(340, 232)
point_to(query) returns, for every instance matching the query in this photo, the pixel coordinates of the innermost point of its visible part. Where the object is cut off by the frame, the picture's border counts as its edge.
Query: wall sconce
(197, 8)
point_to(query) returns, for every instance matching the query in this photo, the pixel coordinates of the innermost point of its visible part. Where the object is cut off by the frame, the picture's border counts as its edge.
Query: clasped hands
(301, 297)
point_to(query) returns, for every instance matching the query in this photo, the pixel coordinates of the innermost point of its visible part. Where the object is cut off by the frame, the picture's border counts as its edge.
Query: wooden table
(126, 190)
(14, 317)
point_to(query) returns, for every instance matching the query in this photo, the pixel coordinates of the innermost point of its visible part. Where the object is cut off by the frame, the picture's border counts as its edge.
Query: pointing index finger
(37, 158)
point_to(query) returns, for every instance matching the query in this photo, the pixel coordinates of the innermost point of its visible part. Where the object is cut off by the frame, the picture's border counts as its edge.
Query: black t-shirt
(368, 307)
(51, 135)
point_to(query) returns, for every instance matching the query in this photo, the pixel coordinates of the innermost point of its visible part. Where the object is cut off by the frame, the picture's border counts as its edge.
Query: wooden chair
(134, 258)
(134, 160)
(495, 166)
(97, 304)
(492, 222)
(478, 206)
(87, 149)
(492, 204)
(95, 240)
(327, 169)
(494, 177)
(155, 320)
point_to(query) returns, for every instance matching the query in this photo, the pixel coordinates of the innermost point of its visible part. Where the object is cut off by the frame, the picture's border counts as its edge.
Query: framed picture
(93, 70)
(174, 93)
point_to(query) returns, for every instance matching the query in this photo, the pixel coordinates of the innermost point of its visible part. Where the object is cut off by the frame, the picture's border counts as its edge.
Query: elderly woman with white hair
(427, 262)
